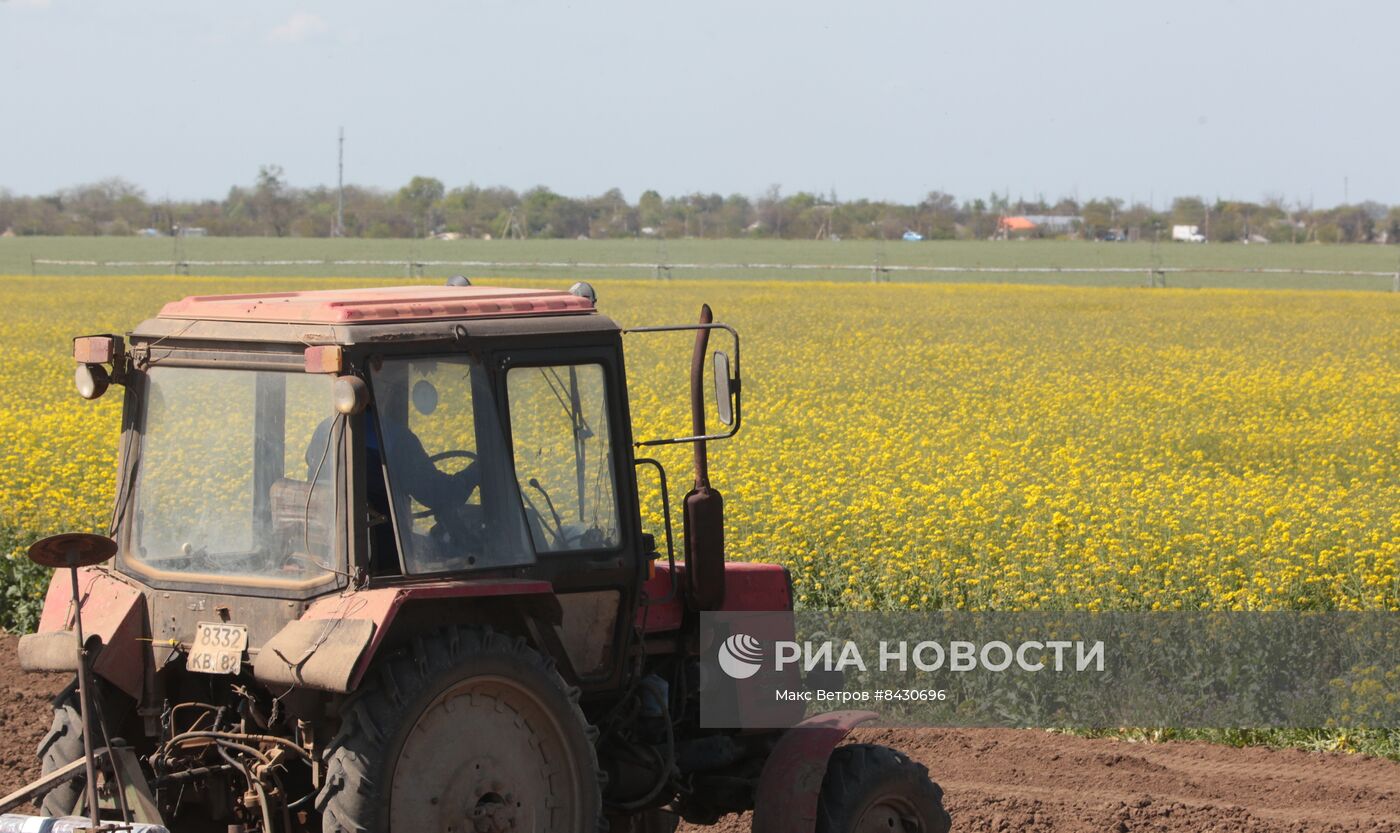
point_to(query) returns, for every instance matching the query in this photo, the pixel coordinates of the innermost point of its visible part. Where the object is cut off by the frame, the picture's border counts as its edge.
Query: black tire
(515, 744)
(62, 746)
(870, 788)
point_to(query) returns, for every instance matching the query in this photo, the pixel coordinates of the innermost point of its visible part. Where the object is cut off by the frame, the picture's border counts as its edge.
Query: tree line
(425, 207)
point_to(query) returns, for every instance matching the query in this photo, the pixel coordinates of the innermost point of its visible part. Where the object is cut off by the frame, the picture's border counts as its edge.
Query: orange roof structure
(1017, 224)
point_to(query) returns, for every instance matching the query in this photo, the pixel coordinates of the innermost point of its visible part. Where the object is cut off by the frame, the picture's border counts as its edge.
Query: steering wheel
(458, 527)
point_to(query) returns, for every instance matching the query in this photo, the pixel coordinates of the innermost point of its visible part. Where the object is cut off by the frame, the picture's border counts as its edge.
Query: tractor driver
(415, 474)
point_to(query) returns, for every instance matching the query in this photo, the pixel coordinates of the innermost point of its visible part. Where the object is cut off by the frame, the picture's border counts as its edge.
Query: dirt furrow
(1005, 780)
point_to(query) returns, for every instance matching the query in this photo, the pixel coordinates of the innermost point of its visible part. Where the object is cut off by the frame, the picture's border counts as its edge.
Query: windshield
(237, 474)
(454, 501)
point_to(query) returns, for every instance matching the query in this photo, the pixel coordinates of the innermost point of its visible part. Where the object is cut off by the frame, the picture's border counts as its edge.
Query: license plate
(218, 648)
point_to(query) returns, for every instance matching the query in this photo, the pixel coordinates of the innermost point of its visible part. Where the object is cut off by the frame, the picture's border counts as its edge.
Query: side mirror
(724, 397)
(72, 550)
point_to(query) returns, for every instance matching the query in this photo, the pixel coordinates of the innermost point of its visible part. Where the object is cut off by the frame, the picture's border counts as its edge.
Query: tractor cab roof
(398, 313)
(393, 303)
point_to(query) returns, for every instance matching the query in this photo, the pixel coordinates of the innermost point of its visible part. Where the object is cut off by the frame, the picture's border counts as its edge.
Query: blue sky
(884, 98)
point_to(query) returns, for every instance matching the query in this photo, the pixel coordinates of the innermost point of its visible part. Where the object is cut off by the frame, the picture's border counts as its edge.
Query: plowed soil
(1011, 780)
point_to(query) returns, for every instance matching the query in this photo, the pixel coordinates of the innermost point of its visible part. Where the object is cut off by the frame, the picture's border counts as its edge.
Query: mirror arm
(735, 384)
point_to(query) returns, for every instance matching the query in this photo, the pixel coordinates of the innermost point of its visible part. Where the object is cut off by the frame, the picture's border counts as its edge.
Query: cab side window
(563, 456)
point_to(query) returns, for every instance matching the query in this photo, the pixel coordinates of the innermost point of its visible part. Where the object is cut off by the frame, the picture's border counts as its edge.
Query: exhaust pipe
(704, 506)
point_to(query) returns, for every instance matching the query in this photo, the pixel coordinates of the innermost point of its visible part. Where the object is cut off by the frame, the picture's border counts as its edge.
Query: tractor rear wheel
(874, 788)
(467, 730)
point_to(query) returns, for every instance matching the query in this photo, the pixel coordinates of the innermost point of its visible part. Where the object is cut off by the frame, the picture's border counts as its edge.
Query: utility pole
(340, 189)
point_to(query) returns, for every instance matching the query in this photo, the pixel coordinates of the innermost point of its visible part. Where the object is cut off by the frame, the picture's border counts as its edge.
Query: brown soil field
(1011, 780)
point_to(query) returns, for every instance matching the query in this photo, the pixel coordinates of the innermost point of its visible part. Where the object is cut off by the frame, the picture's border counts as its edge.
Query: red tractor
(378, 563)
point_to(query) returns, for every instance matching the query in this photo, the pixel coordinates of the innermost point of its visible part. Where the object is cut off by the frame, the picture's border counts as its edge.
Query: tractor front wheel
(874, 788)
(467, 730)
(62, 746)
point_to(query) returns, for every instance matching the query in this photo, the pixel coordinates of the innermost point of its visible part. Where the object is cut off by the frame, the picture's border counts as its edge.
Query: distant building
(1026, 224)
(1055, 222)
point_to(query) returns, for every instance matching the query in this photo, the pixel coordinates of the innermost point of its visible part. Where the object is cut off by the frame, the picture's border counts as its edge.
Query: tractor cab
(383, 450)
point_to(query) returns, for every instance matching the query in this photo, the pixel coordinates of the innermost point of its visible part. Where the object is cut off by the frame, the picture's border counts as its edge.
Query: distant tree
(1226, 221)
(271, 202)
(651, 210)
(609, 215)
(315, 215)
(7, 210)
(938, 216)
(771, 211)
(1188, 211)
(802, 215)
(736, 215)
(552, 215)
(979, 222)
(1354, 224)
(38, 215)
(420, 198)
(1100, 216)
(697, 213)
(270, 206)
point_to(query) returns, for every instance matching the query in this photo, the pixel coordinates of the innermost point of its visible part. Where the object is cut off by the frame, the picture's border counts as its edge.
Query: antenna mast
(340, 188)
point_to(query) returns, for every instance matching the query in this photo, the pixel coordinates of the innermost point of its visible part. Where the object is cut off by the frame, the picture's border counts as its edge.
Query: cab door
(570, 444)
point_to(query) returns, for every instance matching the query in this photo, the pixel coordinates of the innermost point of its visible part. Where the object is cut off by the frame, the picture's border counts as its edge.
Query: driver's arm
(428, 484)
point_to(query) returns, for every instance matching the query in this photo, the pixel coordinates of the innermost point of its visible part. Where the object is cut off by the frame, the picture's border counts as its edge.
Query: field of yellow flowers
(987, 447)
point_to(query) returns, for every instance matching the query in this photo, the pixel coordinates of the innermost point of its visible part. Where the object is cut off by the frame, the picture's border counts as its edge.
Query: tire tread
(62, 745)
(859, 771)
(350, 800)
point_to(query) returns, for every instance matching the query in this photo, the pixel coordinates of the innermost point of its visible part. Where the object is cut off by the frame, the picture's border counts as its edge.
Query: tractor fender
(791, 782)
(334, 642)
(114, 613)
